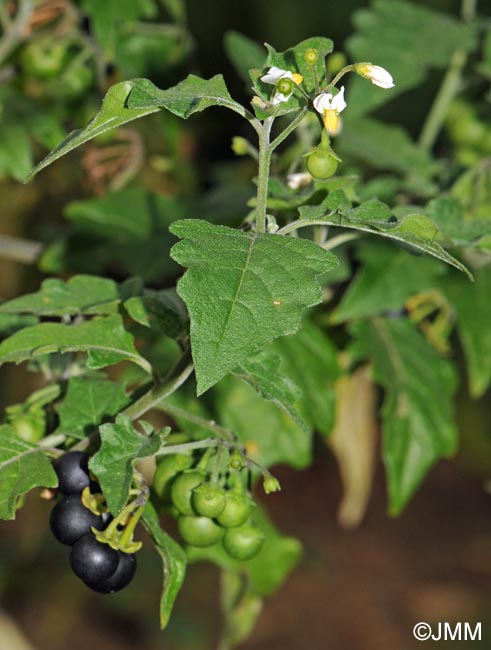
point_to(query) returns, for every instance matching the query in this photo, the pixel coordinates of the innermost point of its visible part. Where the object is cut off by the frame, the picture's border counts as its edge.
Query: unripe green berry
(285, 86)
(311, 56)
(321, 163)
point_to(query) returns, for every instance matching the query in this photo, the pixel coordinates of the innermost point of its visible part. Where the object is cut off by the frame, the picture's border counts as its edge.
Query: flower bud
(271, 484)
(378, 76)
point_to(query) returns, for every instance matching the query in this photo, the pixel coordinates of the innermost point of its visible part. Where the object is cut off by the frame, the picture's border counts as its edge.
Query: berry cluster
(101, 567)
(208, 509)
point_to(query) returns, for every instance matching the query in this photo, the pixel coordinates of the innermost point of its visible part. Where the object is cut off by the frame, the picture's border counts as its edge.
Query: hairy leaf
(417, 230)
(418, 422)
(114, 112)
(161, 311)
(23, 466)
(105, 339)
(174, 563)
(262, 372)
(309, 359)
(189, 96)
(243, 290)
(87, 403)
(113, 464)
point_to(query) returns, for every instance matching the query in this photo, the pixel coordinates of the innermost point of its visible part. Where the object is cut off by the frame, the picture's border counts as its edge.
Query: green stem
(191, 446)
(341, 73)
(263, 174)
(211, 425)
(127, 534)
(449, 88)
(175, 379)
(302, 223)
(334, 242)
(289, 129)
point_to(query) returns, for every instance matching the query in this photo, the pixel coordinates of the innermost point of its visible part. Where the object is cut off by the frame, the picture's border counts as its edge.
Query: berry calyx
(243, 542)
(321, 163)
(199, 531)
(70, 520)
(72, 470)
(208, 500)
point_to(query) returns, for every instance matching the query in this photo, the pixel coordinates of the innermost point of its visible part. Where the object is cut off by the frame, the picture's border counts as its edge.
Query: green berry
(208, 500)
(199, 531)
(243, 542)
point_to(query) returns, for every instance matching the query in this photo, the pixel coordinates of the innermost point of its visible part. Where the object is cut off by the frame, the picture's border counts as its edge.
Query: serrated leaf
(417, 230)
(386, 278)
(406, 39)
(23, 466)
(104, 338)
(186, 98)
(269, 569)
(114, 112)
(472, 304)
(174, 563)
(269, 434)
(244, 53)
(80, 294)
(242, 290)
(418, 422)
(87, 403)
(262, 372)
(310, 360)
(113, 465)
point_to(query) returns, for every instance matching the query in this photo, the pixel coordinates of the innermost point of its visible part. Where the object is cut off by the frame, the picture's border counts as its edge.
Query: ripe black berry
(73, 472)
(92, 561)
(70, 520)
(120, 578)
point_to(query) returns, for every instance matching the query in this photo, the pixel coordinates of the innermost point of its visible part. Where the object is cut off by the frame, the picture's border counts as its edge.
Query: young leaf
(243, 290)
(418, 422)
(189, 96)
(387, 277)
(174, 563)
(269, 434)
(121, 446)
(23, 466)
(80, 294)
(87, 403)
(262, 372)
(417, 230)
(105, 339)
(473, 307)
(114, 112)
(310, 360)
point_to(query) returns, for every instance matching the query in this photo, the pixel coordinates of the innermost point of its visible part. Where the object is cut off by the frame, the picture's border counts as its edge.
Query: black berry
(70, 520)
(120, 578)
(73, 472)
(92, 561)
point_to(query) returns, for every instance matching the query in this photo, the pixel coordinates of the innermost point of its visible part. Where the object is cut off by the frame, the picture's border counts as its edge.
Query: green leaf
(417, 230)
(388, 147)
(23, 466)
(80, 294)
(243, 290)
(387, 277)
(113, 465)
(105, 339)
(270, 435)
(189, 96)
(262, 372)
(114, 112)
(473, 306)
(161, 311)
(406, 39)
(269, 569)
(455, 229)
(244, 53)
(87, 403)
(11, 323)
(310, 360)
(418, 422)
(174, 563)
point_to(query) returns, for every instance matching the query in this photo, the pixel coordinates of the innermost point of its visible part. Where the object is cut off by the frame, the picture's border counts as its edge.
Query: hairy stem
(263, 174)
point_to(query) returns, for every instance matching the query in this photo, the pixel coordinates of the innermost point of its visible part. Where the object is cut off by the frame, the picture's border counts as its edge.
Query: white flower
(329, 106)
(273, 76)
(296, 181)
(377, 75)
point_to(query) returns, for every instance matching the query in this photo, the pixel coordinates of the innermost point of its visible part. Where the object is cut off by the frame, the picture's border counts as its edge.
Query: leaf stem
(263, 174)
(303, 223)
(341, 73)
(174, 380)
(449, 88)
(289, 129)
(211, 425)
